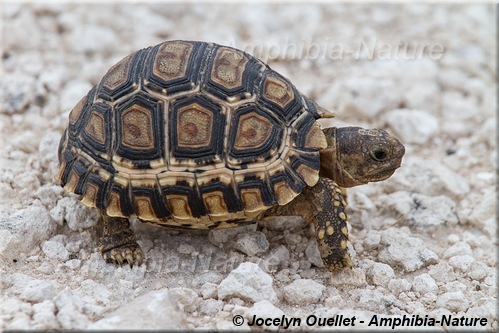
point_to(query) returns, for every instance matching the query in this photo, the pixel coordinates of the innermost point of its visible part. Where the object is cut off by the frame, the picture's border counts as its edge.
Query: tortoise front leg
(118, 243)
(324, 206)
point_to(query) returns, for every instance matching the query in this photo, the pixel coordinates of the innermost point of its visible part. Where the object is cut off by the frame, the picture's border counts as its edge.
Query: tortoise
(192, 134)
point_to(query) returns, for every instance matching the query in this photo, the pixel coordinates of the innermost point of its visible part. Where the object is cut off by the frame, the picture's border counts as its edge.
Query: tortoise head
(356, 156)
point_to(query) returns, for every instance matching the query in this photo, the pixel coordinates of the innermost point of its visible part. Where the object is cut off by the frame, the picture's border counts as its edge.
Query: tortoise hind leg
(118, 243)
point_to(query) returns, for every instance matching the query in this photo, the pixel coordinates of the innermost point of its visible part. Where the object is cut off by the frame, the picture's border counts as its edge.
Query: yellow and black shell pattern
(191, 134)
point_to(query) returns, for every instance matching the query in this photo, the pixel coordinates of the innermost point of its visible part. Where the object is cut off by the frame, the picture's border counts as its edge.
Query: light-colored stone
(381, 274)
(303, 291)
(424, 283)
(421, 212)
(454, 301)
(210, 306)
(264, 309)
(55, 250)
(39, 290)
(413, 126)
(44, 317)
(142, 313)
(252, 244)
(399, 249)
(187, 298)
(248, 282)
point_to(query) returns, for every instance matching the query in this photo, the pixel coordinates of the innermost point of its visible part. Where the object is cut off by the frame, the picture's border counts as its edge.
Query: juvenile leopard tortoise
(199, 135)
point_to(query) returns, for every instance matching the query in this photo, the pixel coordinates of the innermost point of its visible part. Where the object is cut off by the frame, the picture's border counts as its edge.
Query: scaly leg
(118, 243)
(324, 206)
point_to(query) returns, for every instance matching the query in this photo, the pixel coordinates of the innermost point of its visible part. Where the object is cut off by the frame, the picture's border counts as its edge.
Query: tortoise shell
(191, 134)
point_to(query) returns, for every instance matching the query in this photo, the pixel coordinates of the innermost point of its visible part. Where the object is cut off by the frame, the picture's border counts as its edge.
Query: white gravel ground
(423, 241)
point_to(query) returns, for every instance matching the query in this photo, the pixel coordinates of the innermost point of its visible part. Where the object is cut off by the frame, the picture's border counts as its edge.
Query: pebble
(44, 317)
(27, 234)
(142, 313)
(421, 212)
(399, 285)
(55, 250)
(210, 306)
(252, 244)
(454, 301)
(431, 179)
(264, 309)
(313, 254)
(413, 126)
(361, 96)
(76, 215)
(248, 282)
(70, 310)
(461, 262)
(277, 258)
(37, 291)
(380, 274)
(424, 283)
(209, 290)
(187, 298)
(303, 291)
(478, 270)
(399, 249)
(457, 249)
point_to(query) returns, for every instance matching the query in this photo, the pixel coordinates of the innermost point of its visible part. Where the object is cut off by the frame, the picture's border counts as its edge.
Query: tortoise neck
(331, 161)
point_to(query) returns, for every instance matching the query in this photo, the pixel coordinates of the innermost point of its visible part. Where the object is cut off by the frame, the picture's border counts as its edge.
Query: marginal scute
(179, 204)
(143, 208)
(96, 127)
(75, 113)
(215, 203)
(284, 193)
(118, 74)
(315, 138)
(89, 197)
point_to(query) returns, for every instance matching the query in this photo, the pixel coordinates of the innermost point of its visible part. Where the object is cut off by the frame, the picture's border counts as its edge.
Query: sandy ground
(423, 242)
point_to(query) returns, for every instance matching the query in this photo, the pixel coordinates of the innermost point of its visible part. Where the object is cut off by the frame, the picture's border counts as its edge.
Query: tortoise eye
(378, 154)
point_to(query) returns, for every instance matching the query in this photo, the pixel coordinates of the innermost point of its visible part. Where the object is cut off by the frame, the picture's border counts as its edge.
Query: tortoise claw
(129, 253)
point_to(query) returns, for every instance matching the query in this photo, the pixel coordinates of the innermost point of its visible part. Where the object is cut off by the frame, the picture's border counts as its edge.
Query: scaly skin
(324, 206)
(118, 243)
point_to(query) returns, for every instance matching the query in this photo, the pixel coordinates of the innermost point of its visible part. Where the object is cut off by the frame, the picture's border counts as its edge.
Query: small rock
(96, 293)
(187, 298)
(313, 254)
(70, 310)
(361, 96)
(210, 276)
(277, 258)
(454, 301)
(423, 213)
(44, 316)
(209, 290)
(76, 215)
(303, 291)
(210, 306)
(37, 291)
(478, 270)
(431, 179)
(142, 313)
(399, 249)
(354, 277)
(224, 236)
(252, 244)
(248, 282)
(399, 285)
(424, 283)
(458, 249)
(413, 126)
(264, 310)
(55, 250)
(461, 262)
(381, 274)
